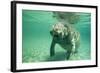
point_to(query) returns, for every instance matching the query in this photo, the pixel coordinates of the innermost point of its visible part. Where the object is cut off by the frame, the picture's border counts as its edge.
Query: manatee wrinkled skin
(66, 37)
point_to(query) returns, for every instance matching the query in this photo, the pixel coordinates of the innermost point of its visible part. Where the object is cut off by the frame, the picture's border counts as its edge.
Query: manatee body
(66, 37)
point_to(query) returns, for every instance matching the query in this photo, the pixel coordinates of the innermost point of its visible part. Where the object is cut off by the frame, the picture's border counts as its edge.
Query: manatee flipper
(68, 55)
(52, 48)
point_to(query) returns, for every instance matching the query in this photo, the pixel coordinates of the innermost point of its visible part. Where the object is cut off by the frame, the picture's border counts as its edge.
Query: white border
(21, 65)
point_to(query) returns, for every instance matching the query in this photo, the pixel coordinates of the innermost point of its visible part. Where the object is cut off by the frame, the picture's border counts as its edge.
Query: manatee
(67, 17)
(67, 37)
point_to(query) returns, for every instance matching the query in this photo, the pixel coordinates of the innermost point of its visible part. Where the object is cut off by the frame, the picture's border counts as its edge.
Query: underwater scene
(37, 39)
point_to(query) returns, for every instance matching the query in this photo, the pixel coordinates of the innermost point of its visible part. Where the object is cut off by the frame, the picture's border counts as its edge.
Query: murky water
(36, 38)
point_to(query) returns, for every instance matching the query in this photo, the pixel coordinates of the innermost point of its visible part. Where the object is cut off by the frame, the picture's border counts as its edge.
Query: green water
(36, 38)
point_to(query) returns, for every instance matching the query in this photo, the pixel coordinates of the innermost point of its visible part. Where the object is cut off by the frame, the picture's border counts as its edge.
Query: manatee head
(59, 31)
